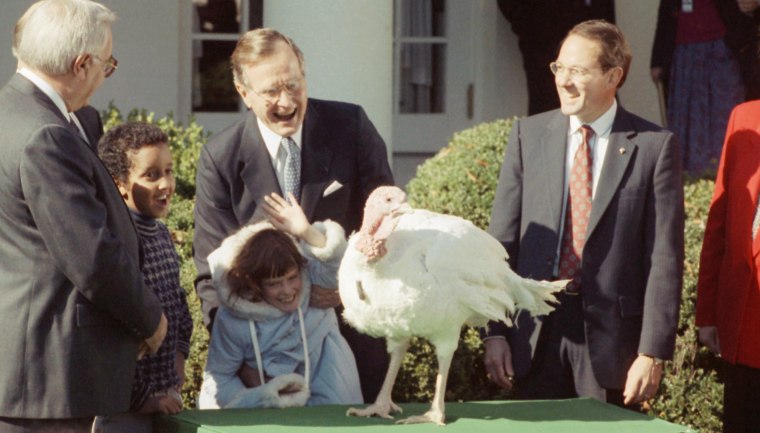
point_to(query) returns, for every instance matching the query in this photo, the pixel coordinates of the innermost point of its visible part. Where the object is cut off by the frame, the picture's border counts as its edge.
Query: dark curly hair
(119, 141)
(269, 253)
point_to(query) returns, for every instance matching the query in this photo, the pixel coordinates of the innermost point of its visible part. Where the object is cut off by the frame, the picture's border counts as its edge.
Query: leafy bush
(460, 180)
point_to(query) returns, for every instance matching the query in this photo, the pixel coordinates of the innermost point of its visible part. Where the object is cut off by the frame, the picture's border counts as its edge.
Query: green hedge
(460, 180)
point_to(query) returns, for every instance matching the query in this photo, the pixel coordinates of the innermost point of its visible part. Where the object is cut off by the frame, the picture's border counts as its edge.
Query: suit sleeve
(664, 247)
(713, 246)
(507, 208)
(214, 220)
(60, 186)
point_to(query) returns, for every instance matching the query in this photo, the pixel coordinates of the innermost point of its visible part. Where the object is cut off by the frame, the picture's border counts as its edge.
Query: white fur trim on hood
(220, 261)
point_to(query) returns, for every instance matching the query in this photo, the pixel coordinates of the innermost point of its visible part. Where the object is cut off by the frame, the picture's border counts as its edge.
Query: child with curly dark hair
(137, 156)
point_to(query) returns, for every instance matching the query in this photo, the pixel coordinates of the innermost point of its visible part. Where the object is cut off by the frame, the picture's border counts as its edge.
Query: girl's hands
(289, 217)
(286, 216)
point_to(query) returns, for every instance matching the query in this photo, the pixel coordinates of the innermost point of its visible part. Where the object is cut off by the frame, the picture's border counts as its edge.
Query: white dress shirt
(276, 154)
(598, 143)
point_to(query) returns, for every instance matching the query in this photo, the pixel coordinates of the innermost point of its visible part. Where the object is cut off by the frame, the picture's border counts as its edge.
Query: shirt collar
(272, 139)
(47, 89)
(601, 125)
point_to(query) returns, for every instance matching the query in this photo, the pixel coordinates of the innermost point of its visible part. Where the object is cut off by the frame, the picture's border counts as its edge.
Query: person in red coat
(728, 290)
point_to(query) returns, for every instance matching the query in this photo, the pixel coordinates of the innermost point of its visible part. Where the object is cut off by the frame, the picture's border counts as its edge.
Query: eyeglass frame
(109, 66)
(272, 95)
(575, 72)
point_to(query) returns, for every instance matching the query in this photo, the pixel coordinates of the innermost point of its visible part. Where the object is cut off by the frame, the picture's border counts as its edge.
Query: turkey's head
(381, 213)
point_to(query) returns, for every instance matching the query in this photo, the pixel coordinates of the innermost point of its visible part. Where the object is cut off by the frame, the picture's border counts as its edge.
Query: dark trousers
(741, 399)
(24, 425)
(561, 365)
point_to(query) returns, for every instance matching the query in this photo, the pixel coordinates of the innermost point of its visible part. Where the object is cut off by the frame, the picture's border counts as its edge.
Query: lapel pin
(622, 151)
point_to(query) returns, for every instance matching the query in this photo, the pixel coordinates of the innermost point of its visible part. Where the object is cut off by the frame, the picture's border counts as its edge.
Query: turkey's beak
(402, 209)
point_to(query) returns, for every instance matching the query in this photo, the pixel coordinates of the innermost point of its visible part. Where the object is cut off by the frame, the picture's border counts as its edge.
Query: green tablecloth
(574, 415)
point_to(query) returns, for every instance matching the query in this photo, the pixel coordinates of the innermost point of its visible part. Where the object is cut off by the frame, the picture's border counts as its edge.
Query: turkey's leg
(436, 414)
(383, 405)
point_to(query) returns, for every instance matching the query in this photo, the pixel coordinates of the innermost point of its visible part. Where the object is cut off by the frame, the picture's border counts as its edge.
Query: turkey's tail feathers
(517, 293)
(537, 297)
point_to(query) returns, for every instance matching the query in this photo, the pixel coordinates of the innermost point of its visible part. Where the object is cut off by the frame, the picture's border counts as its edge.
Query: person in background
(264, 279)
(592, 194)
(138, 157)
(326, 153)
(540, 26)
(705, 53)
(728, 288)
(75, 312)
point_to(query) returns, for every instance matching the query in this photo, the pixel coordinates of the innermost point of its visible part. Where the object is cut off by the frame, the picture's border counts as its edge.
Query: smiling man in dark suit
(328, 154)
(593, 194)
(74, 310)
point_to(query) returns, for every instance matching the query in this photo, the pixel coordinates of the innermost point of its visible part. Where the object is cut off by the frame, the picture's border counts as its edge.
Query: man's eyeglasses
(272, 94)
(575, 72)
(109, 66)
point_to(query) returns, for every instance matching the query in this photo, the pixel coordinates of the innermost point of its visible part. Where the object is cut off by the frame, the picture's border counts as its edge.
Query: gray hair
(256, 45)
(52, 33)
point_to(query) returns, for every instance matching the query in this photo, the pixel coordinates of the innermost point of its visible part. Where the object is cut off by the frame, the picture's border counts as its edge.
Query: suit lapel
(315, 161)
(619, 153)
(554, 152)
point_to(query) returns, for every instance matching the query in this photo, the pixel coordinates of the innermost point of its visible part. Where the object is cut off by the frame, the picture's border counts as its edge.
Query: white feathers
(439, 273)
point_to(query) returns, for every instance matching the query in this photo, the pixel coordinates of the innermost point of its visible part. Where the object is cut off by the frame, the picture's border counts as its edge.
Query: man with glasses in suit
(75, 312)
(327, 153)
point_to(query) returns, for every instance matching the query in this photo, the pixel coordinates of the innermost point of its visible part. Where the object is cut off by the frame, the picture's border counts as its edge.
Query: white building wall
(501, 87)
(638, 20)
(146, 42)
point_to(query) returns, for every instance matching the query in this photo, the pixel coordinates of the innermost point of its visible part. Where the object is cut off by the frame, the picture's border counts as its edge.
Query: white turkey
(411, 272)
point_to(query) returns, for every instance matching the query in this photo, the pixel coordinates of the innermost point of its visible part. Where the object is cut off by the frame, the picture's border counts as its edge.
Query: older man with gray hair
(74, 310)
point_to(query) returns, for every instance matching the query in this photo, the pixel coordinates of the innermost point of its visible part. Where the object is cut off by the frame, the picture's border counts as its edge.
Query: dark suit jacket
(73, 307)
(633, 257)
(339, 143)
(91, 123)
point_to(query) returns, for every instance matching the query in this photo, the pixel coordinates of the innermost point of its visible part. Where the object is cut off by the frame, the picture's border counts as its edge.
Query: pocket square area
(332, 188)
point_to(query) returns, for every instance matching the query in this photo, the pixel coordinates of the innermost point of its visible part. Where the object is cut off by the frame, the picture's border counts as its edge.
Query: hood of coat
(220, 261)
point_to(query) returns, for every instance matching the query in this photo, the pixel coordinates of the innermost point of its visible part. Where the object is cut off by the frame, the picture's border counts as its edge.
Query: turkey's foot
(383, 410)
(432, 416)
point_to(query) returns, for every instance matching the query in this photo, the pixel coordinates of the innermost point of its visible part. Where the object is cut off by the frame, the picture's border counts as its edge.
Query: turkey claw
(382, 411)
(429, 417)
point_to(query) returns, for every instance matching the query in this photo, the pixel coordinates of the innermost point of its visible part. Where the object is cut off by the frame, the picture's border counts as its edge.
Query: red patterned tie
(577, 213)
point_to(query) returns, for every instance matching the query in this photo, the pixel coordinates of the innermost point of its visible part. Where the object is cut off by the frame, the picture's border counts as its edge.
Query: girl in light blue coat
(265, 325)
